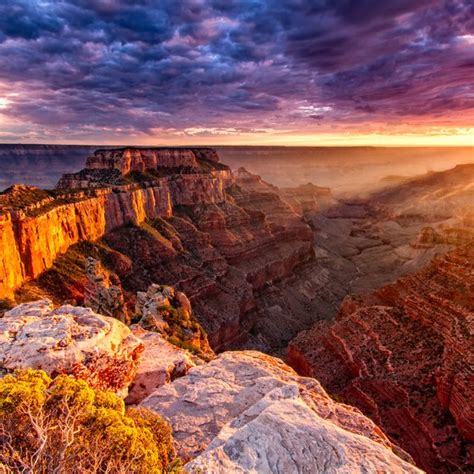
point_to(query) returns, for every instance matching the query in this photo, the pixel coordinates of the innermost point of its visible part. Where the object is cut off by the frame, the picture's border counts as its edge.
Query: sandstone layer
(71, 340)
(223, 239)
(248, 412)
(404, 356)
(38, 225)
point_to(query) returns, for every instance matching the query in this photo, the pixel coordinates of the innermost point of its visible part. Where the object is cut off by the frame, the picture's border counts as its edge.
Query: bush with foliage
(62, 425)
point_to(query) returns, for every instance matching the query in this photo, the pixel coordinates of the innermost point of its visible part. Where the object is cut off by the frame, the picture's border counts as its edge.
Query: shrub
(64, 426)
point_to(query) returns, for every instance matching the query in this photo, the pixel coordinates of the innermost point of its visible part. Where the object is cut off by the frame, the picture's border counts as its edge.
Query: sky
(287, 72)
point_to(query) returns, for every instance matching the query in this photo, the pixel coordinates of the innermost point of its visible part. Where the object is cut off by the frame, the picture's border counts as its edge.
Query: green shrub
(62, 425)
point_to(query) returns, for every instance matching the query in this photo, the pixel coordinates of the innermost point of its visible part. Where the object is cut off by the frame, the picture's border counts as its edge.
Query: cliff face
(37, 225)
(404, 356)
(174, 217)
(33, 237)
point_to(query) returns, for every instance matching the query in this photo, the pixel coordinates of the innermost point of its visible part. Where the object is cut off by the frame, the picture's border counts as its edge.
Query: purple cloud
(135, 67)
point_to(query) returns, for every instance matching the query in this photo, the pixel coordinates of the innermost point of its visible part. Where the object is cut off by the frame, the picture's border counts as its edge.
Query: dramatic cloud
(123, 70)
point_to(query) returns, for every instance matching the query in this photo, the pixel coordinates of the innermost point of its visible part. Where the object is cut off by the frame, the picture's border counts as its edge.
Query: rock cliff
(178, 218)
(404, 356)
(257, 415)
(39, 225)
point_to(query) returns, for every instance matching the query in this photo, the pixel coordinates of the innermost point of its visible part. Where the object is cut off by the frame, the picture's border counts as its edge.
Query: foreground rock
(249, 412)
(71, 340)
(404, 355)
(160, 363)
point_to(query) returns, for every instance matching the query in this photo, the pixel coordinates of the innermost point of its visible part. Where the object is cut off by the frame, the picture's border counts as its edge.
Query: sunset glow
(237, 72)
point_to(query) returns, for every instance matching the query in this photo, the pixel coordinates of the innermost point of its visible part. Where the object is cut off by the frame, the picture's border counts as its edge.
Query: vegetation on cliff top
(62, 425)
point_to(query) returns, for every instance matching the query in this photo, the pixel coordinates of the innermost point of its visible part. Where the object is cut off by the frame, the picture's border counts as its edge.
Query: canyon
(346, 170)
(145, 234)
(193, 224)
(404, 355)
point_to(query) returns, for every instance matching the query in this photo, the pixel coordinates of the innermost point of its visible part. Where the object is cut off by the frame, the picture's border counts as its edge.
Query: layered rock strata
(223, 239)
(71, 340)
(255, 414)
(404, 356)
(36, 225)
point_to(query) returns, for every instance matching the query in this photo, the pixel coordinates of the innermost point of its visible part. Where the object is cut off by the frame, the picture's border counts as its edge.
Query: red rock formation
(308, 198)
(222, 239)
(404, 356)
(140, 159)
(37, 225)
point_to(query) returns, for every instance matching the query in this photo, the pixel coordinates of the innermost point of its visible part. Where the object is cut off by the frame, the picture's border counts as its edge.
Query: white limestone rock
(161, 362)
(249, 412)
(72, 340)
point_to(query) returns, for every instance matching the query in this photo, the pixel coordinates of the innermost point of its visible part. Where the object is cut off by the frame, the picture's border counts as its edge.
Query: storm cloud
(82, 68)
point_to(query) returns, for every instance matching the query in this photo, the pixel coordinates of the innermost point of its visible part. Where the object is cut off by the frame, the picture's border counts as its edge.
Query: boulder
(249, 412)
(71, 340)
(161, 362)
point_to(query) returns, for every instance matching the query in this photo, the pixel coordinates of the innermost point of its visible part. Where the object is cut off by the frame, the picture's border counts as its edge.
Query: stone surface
(160, 363)
(102, 295)
(404, 356)
(72, 340)
(249, 412)
(169, 312)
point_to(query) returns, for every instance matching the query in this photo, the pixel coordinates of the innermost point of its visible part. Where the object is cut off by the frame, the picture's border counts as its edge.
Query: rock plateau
(248, 412)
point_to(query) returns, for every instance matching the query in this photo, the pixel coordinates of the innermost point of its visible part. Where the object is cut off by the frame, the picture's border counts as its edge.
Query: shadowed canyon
(179, 282)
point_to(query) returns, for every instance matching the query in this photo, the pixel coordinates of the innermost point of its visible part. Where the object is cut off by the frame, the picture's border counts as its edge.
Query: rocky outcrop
(404, 356)
(257, 415)
(308, 198)
(160, 363)
(455, 231)
(164, 310)
(103, 295)
(140, 159)
(71, 340)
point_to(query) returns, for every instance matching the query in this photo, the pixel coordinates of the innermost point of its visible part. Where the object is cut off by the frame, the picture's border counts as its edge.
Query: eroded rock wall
(404, 355)
(37, 226)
